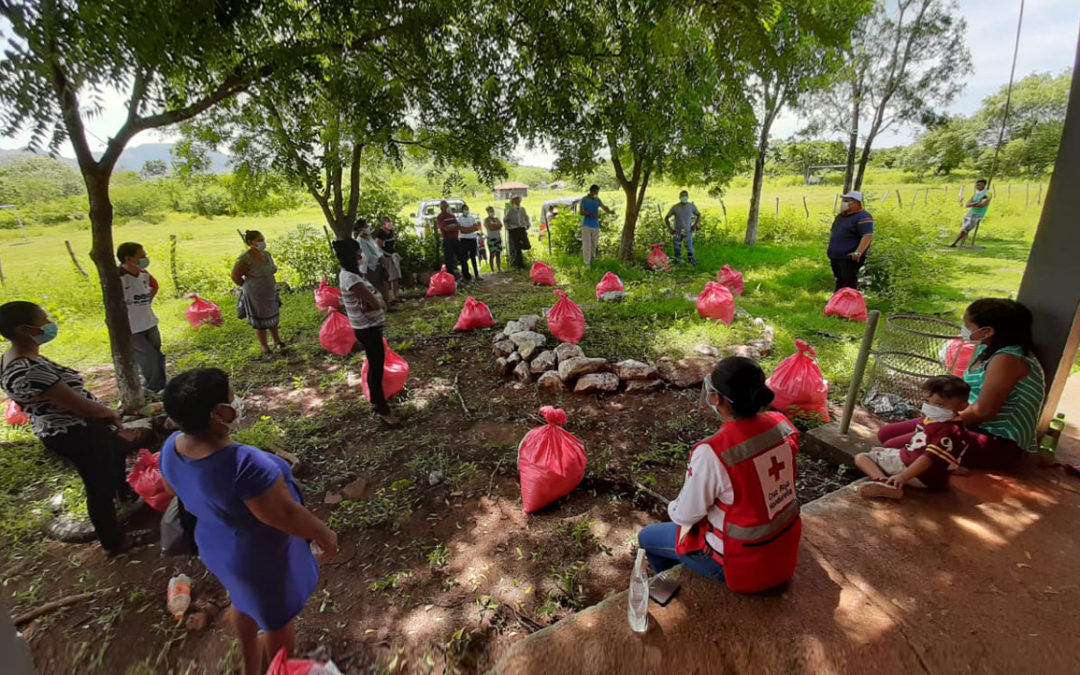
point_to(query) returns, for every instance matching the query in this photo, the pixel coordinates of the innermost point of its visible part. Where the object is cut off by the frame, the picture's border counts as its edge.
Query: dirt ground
(440, 570)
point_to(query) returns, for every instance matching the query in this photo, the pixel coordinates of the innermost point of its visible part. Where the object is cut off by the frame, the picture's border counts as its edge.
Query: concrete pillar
(1051, 284)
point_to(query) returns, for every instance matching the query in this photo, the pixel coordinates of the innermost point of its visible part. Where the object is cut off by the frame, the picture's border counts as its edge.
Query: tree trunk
(853, 137)
(112, 291)
(755, 198)
(864, 158)
(626, 244)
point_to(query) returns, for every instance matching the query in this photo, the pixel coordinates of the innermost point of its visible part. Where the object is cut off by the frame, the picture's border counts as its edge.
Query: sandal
(880, 488)
(390, 421)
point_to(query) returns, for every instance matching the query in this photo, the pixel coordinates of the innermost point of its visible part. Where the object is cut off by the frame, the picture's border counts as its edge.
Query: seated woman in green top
(1007, 388)
(1007, 383)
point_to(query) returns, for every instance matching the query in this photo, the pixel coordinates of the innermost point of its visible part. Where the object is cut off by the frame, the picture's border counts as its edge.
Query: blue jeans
(658, 540)
(687, 234)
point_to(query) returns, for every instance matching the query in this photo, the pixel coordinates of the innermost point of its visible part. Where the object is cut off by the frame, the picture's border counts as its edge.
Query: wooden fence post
(777, 206)
(884, 196)
(75, 260)
(960, 197)
(834, 200)
(805, 207)
(2, 280)
(173, 266)
(1009, 186)
(1027, 194)
(1038, 197)
(724, 209)
(899, 202)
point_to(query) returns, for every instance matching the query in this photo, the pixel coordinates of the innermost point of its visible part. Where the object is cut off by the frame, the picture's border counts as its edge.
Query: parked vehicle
(553, 207)
(424, 216)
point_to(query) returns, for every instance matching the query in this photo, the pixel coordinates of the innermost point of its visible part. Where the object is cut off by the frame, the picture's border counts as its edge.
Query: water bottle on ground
(638, 609)
(1052, 437)
(179, 596)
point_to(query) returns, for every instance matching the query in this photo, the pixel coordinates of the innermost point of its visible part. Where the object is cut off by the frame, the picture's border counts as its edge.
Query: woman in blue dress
(253, 530)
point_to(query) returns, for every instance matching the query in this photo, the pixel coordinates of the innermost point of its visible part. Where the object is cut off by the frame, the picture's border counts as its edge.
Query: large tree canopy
(175, 58)
(645, 86)
(804, 47)
(427, 86)
(905, 59)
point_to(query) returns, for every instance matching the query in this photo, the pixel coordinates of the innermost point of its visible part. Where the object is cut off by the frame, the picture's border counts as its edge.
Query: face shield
(707, 389)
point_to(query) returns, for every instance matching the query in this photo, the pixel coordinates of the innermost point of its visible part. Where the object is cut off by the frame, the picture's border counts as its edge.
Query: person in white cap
(852, 230)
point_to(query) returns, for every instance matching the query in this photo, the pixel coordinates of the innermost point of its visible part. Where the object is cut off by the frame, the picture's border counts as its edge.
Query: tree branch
(68, 99)
(354, 182)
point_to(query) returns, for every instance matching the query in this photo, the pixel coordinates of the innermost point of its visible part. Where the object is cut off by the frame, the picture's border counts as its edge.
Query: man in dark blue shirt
(852, 230)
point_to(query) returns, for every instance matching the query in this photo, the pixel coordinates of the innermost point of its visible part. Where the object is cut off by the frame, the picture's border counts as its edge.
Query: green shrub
(418, 254)
(305, 257)
(132, 201)
(905, 257)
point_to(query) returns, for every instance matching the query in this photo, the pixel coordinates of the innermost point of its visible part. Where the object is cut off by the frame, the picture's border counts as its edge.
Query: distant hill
(133, 158)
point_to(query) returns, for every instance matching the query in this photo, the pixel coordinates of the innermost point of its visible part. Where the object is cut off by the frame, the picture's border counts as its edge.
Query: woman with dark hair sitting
(367, 314)
(254, 273)
(1007, 387)
(253, 529)
(67, 418)
(736, 517)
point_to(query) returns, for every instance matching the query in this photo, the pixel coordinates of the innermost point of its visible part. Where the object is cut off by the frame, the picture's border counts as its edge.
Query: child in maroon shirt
(937, 443)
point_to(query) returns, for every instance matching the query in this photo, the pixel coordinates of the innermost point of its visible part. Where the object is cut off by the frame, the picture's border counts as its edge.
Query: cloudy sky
(1048, 42)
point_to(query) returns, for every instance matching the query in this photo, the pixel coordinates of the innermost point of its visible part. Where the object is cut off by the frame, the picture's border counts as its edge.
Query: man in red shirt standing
(451, 245)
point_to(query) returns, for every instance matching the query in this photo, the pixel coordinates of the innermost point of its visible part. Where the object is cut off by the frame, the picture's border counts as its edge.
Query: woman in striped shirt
(1007, 383)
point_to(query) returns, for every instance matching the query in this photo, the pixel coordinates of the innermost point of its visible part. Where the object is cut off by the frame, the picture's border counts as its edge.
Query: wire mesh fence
(910, 349)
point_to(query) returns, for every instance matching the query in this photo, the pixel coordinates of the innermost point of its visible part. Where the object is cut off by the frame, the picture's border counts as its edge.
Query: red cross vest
(762, 526)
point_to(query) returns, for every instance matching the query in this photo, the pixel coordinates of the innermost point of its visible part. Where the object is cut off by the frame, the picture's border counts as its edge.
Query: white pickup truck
(424, 216)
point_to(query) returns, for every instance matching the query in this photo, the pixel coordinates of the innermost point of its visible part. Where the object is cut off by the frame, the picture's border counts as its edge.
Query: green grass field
(787, 279)
(787, 283)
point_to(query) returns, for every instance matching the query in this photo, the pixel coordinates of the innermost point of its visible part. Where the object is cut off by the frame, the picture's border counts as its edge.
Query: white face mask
(844, 205)
(966, 333)
(237, 405)
(937, 413)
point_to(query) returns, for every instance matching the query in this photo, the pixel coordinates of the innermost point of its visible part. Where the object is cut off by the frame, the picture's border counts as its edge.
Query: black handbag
(178, 531)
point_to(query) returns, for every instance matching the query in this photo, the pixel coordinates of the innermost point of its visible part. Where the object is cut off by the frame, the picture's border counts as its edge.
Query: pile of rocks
(522, 352)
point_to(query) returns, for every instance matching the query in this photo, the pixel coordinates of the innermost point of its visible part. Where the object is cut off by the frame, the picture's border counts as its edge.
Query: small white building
(508, 191)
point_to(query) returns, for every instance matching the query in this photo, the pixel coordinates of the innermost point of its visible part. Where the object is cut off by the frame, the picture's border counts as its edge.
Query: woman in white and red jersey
(736, 517)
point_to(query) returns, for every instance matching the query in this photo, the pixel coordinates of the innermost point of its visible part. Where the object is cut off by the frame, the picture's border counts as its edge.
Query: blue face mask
(684, 199)
(143, 263)
(48, 334)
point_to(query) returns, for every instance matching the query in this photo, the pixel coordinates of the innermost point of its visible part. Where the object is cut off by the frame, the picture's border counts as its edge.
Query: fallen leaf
(1023, 565)
(1028, 555)
(897, 603)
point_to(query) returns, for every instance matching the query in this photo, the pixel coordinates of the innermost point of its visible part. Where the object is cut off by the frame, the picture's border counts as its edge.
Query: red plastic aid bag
(14, 415)
(145, 480)
(336, 334)
(658, 260)
(551, 462)
(283, 665)
(716, 302)
(395, 372)
(957, 355)
(442, 283)
(609, 283)
(565, 320)
(731, 278)
(847, 303)
(202, 311)
(798, 383)
(542, 274)
(326, 297)
(474, 314)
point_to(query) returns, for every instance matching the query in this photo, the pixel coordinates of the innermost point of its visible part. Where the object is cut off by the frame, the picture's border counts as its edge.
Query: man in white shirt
(470, 230)
(140, 287)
